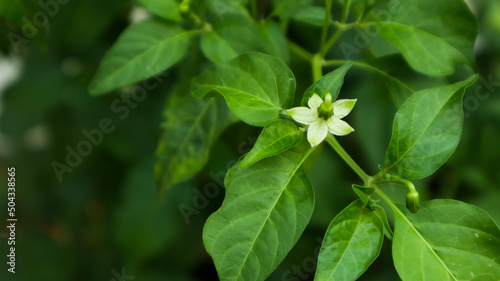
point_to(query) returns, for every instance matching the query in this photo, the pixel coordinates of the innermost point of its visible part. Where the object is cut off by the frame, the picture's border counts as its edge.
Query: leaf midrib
(142, 54)
(345, 250)
(269, 145)
(224, 41)
(292, 174)
(243, 93)
(400, 158)
(381, 23)
(401, 214)
(190, 132)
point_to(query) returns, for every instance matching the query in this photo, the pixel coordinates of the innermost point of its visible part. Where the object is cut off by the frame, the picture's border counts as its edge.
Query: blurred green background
(103, 220)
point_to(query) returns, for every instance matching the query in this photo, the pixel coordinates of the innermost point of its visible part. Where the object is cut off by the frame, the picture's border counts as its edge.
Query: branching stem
(326, 23)
(347, 158)
(345, 11)
(407, 183)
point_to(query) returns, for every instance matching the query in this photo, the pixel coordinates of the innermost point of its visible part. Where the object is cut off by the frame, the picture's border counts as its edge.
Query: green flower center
(325, 110)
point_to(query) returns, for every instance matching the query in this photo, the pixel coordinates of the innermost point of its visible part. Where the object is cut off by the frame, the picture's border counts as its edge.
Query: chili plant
(238, 61)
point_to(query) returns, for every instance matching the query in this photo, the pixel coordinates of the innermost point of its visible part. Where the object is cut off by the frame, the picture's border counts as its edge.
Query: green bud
(184, 7)
(372, 204)
(325, 110)
(412, 201)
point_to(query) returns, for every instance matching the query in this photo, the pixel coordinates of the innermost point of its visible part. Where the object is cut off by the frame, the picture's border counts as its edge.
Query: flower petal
(317, 132)
(303, 115)
(342, 107)
(315, 101)
(338, 127)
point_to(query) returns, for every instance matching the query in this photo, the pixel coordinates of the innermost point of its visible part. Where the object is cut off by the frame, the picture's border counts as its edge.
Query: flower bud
(372, 204)
(412, 201)
(184, 7)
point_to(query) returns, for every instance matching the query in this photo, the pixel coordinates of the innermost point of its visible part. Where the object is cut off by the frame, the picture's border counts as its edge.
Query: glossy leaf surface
(432, 36)
(276, 137)
(167, 9)
(446, 240)
(231, 36)
(143, 50)
(329, 83)
(352, 242)
(364, 192)
(191, 127)
(426, 131)
(256, 86)
(266, 208)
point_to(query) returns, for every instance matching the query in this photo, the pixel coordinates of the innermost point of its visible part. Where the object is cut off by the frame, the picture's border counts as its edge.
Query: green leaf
(276, 137)
(273, 39)
(400, 92)
(231, 36)
(368, 3)
(446, 240)
(352, 242)
(14, 10)
(432, 36)
(400, 78)
(283, 7)
(191, 126)
(380, 212)
(218, 49)
(237, 34)
(426, 131)
(225, 8)
(364, 192)
(331, 82)
(167, 9)
(312, 15)
(266, 209)
(256, 86)
(143, 50)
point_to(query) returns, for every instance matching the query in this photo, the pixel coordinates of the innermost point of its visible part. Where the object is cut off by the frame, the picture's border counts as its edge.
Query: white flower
(323, 117)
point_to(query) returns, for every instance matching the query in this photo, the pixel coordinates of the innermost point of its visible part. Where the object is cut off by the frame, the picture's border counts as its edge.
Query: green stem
(196, 18)
(345, 11)
(370, 68)
(409, 184)
(283, 25)
(362, 14)
(343, 154)
(254, 9)
(341, 27)
(332, 41)
(326, 23)
(317, 67)
(386, 198)
(300, 51)
(206, 28)
(412, 197)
